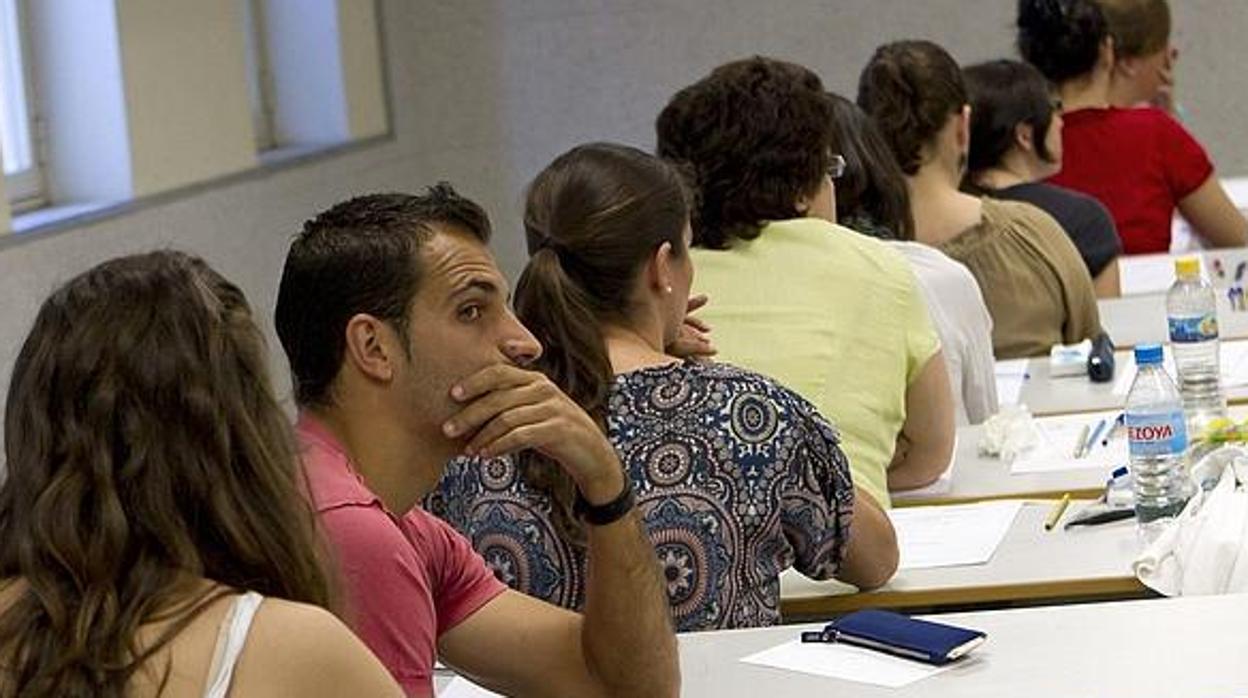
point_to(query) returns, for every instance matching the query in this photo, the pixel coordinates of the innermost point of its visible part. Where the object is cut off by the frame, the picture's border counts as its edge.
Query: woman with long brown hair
(151, 503)
(737, 477)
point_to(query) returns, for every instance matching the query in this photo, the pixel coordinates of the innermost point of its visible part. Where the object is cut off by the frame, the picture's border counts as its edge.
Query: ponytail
(558, 311)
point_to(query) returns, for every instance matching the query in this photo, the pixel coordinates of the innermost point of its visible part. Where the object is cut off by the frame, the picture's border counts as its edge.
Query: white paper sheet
(1232, 355)
(1138, 274)
(462, 688)
(1055, 445)
(844, 662)
(954, 535)
(1011, 377)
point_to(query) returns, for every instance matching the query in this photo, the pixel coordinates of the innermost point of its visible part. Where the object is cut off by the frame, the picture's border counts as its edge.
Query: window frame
(25, 189)
(259, 75)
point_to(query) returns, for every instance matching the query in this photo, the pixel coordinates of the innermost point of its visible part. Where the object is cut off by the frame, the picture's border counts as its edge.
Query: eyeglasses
(836, 166)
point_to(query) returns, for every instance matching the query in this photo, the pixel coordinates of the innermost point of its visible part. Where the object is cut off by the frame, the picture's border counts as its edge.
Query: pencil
(1081, 441)
(1059, 508)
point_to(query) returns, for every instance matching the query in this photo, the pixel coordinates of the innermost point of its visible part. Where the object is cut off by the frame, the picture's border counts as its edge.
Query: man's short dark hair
(359, 256)
(753, 136)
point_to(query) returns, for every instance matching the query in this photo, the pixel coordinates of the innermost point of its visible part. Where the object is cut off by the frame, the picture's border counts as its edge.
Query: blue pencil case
(885, 631)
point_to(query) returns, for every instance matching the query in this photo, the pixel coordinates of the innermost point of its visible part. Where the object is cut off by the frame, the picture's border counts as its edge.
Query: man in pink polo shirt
(404, 353)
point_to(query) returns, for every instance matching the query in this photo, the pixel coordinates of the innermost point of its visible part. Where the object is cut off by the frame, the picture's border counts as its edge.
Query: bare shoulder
(300, 649)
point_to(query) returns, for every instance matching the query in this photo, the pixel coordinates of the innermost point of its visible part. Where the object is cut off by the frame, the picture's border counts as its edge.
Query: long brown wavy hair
(145, 453)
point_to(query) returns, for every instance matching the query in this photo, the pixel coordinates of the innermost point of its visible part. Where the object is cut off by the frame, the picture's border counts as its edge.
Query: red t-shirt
(406, 579)
(1139, 162)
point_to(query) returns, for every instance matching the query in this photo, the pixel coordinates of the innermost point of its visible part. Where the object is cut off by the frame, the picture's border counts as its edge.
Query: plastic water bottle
(1157, 441)
(1192, 314)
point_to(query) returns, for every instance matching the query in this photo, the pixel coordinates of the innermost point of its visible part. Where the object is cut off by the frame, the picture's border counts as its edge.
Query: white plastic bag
(1205, 549)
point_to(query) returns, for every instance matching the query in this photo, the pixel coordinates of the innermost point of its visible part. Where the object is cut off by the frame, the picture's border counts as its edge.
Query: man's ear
(371, 346)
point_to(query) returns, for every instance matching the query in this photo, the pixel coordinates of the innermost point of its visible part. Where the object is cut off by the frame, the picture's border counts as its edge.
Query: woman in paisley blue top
(737, 477)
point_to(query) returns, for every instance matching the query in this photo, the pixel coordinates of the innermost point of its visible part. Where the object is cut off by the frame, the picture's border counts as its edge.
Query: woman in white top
(153, 536)
(871, 198)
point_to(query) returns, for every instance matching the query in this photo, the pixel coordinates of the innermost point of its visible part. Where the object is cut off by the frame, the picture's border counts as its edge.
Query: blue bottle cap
(1147, 354)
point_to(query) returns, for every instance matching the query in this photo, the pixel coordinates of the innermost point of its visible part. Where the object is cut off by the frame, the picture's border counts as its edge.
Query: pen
(1059, 508)
(1113, 431)
(1096, 435)
(1080, 442)
(1239, 270)
(1102, 517)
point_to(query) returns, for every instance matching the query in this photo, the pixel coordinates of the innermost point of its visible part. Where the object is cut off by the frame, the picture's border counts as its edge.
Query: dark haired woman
(736, 477)
(1033, 280)
(830, 313)
(153, 533)
(1140, 163)
(1016, 142)
(871, 198)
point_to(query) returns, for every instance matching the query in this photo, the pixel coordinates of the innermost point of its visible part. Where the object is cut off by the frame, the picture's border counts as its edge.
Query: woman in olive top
(1033, 280)
(833, 314)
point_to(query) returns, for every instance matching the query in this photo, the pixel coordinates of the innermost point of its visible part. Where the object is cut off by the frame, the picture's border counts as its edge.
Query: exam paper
(1055, 445)
(952, 535)
(1232, 355)
(1011, 376)
(844, 662)
(460, 687)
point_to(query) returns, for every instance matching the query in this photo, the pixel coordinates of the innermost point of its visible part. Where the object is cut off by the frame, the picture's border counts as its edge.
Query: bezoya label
(1157, 433)
(1193, 328)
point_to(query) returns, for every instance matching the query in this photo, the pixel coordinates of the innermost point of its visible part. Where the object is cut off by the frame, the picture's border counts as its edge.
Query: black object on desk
(1101, 359)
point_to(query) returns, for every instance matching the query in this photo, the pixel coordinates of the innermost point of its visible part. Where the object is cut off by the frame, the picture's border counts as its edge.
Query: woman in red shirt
(1139, 162)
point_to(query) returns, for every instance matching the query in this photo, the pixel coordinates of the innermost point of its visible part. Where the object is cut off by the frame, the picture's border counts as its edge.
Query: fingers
(492, 378)
(481, 411)
(515, 419)
(697, 323)
(696, 302)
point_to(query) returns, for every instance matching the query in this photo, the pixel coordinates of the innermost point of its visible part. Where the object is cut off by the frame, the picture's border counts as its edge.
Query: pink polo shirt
(406, 579)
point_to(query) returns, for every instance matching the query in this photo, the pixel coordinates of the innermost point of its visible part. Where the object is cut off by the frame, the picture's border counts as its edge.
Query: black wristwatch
(603, 514)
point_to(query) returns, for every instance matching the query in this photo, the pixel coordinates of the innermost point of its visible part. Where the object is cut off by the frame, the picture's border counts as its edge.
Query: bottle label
(1194, 328)
(1156, 434)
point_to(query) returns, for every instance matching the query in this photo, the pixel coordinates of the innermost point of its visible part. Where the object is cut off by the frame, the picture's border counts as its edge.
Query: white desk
(1192, 647)
(1146, 274)
(1132, 320)
(977, 477)
(1045, 395)
(1031, 565)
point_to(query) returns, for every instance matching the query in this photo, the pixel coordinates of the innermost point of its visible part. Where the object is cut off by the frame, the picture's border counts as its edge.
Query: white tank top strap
(230, 640)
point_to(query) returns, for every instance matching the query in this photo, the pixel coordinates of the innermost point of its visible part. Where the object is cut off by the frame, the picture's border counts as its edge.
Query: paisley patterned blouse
(736, 478)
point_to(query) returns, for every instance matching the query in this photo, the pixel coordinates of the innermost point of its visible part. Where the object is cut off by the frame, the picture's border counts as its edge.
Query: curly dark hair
(753, 137)
(359, 256)
(1061, 37)
(144, 449)
(911, 88)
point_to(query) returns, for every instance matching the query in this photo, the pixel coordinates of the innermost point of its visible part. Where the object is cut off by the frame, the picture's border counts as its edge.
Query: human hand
(508, 409)
(693, 340)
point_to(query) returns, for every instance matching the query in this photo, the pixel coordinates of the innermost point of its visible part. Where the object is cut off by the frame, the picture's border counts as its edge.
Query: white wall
(485, 92)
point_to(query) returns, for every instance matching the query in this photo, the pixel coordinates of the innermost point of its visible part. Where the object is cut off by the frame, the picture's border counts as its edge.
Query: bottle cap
(1147, 354)
(1187, 267)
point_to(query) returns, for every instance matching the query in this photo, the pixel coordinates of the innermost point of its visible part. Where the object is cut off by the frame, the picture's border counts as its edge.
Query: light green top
(831, 314)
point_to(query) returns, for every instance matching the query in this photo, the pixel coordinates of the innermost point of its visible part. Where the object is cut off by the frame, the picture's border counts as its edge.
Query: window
(259, 74)
(18, 135)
